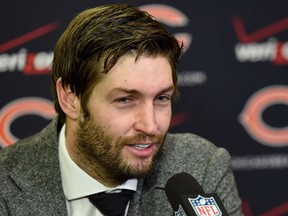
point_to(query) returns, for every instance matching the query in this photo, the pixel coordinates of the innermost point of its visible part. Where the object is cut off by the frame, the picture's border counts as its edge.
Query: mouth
(140, 146)
(141, 150)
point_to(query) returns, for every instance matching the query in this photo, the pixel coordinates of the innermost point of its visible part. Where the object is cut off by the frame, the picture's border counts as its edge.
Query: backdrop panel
(232, 78)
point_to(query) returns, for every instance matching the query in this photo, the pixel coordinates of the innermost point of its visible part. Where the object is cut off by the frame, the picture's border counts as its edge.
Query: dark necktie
(112, 204)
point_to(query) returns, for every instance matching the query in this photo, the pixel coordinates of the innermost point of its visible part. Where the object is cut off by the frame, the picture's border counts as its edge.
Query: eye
(163, 99)
(123, 100)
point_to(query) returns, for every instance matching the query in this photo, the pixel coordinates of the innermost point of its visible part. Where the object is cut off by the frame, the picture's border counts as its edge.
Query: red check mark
(260, 34)
(29, 36)
(179, 118)
(278, 211)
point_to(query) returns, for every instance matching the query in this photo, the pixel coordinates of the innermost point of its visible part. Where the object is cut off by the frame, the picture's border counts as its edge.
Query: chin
(139, 168)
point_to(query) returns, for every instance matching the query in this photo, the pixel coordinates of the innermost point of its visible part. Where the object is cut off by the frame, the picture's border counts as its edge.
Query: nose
(146, 120)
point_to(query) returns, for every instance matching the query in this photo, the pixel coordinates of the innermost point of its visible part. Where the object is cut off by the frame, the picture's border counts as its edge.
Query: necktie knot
(112, 203)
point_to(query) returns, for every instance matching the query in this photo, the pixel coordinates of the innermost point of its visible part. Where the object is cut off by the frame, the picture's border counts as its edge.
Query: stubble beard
(100, 154)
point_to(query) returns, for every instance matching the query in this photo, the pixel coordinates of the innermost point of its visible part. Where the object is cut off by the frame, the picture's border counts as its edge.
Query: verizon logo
(249, 49)
(27, 62)
(270, 50)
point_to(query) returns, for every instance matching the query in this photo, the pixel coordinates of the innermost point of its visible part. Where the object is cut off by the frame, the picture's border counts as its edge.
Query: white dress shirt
(77, 184)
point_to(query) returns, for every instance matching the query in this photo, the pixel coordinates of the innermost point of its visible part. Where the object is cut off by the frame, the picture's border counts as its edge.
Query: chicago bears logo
(171, 17)
(252, 120)
(21, 107)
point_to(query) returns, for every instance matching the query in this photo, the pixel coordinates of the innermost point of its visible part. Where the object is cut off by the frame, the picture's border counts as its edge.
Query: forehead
(146, 74)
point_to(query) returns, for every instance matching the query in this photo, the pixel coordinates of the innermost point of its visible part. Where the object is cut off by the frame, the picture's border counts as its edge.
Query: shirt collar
(76, 182)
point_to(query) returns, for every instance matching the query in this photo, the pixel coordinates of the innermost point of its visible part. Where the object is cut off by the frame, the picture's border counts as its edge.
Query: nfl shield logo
(205, 206)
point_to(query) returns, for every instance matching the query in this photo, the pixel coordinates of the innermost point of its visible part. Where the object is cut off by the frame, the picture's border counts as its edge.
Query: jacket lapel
(35, 198)
(150, 197)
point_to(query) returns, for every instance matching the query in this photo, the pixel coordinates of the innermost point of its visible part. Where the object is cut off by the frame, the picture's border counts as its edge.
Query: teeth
(141, 146)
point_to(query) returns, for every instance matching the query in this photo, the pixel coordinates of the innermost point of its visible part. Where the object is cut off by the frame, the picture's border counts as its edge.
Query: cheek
(163, 120)
(117, 125)
(114, 122)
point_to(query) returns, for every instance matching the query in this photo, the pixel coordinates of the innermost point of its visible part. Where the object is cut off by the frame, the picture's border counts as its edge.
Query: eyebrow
(136, 92)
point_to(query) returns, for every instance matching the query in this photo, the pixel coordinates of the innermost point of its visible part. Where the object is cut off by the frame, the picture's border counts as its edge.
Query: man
(114, 77)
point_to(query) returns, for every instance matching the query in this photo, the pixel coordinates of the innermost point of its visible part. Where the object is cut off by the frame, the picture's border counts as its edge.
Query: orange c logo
(20, 107)
(171, 17)
(251, 117)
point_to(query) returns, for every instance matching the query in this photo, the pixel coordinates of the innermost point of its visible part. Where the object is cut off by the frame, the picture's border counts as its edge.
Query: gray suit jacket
(30, 180)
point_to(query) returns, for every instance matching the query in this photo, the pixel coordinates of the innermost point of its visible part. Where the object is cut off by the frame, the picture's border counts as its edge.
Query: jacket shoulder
(30, 151)
(187, 152)
(191, 145)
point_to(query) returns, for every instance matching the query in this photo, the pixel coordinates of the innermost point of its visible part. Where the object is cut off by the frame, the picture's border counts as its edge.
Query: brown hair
(95, 40)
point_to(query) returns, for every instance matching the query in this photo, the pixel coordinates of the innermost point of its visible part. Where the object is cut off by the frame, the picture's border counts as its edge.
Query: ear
(68, 101)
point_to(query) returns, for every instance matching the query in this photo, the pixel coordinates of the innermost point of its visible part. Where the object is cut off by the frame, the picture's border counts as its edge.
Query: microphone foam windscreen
(182, 183)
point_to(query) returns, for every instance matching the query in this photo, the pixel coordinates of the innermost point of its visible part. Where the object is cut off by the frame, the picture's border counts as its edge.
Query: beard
(100, 154)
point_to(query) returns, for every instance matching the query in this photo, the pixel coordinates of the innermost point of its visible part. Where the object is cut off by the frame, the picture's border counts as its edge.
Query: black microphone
(187, 197)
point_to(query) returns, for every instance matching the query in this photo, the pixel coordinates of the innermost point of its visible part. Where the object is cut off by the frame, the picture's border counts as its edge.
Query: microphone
(187, 197)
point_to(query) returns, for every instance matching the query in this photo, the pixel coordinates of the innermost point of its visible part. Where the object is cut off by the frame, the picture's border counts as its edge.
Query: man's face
(130, 112)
